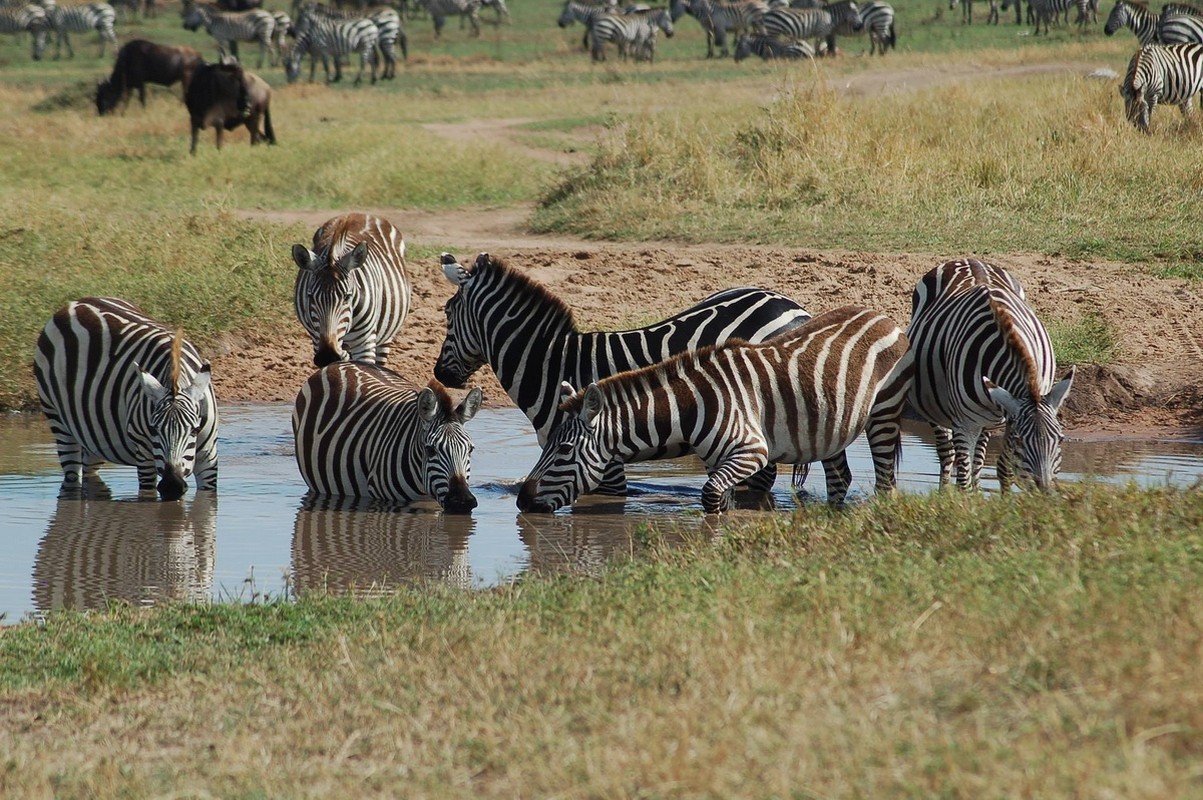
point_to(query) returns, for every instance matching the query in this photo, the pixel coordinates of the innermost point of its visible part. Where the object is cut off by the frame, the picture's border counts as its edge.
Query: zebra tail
(268, 132)
(893, 37)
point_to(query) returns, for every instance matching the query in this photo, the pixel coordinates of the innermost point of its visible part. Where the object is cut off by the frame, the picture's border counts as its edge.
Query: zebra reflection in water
(96, 551)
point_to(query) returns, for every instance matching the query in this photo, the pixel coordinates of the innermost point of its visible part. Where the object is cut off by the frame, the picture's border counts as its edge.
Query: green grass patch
(1089, 340)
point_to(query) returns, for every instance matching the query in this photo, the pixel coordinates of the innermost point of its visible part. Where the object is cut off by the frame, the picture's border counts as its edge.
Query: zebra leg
(979, 457)
(720, 485)
(945, 452)
(965, 442)
(762, 481)
(884, 427)
(1004, 469)
(70, 456)
(474, 18)
(614, 480)
(146, 478)
(839, 478)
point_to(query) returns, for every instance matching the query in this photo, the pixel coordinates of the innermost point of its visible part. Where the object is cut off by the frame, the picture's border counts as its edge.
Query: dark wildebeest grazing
(141, 62)
(223, 96)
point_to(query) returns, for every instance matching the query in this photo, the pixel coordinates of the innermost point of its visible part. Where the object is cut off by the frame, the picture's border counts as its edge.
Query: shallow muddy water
(260, 537)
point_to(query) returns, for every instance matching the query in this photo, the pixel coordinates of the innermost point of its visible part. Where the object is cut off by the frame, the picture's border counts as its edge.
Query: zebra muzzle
(171, 485)
(459, 499)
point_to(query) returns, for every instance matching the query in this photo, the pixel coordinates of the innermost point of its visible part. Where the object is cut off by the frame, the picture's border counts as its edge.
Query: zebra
(1171, 73)
(631, 33)
(878, 19)
(797, 24)
(1136, 17)
(364, 548)
(1180, 23)
(499, 7)
(740, 407)
(230, 28)
(719, 18)
(982, 358)
(97, 17)
(389, 32)
(97, 552)
(352, 293)
(500, 317)
(119, 386)
(282, 28)
(28, 18)
(768, 47)
(439, 10)
(583, 13)
(1044, 11)
(364, 431)
(967, 11)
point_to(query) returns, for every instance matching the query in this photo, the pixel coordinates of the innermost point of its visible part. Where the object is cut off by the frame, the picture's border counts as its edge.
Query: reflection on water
(268, 535)
(98, 550)
(365, 547)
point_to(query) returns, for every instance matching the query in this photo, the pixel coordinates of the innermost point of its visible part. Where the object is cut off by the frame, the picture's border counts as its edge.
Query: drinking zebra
(821, 24)
(230, 28)
(1180, 23)
(718, 19)
(26, 19)
(982, 358)
(583, 13)
(439, 10)
(740, 407)
(768, 47)
(1045, 11)
(1171, 73)
(363, 431)
(63, 20)
(119, 386)
(631, 33)
(500, 317)
(1136, 17)
(352, 293)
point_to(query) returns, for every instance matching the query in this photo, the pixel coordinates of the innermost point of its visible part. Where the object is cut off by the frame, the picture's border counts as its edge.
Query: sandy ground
(1151, 391)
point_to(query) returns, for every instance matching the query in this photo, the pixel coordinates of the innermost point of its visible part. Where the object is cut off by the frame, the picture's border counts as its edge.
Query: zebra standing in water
(230, 28)
(740, 407)
(28, 18)
(982, 358)
(718, 19)
(1136, 17)
(364, 431)
(97, 17)
(352, 293)
(633, 33)
(118, 386)
(1171, 73)
(500, 317)
(797, 24)
(439, 10)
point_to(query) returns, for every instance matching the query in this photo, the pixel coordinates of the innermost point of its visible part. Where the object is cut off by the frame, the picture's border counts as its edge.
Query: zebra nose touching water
(352, 293)
(801, 397)
(119, 386)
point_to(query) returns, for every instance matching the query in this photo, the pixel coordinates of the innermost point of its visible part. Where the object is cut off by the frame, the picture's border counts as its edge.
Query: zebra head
(325, 294)
(1032, 447)
(573, 460)
(568, 15)
(195, 16)
(446, 448)
(462, 353)
(664, 21)
(1118, 18)
(173, 420)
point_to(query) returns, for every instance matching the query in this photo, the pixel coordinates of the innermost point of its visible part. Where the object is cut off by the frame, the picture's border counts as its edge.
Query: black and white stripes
(29, 19)
(230, 28)
(67, 19)
(1161, 74)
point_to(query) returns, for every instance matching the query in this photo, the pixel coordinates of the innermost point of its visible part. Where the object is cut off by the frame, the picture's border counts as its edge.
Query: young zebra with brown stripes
(364, 431)
(119, 386)
(528, 336)
(352, 293)
(982, 359)
(740, 407)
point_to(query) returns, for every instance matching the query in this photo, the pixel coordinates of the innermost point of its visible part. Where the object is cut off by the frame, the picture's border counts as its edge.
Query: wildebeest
(223, 96)
(141, 62)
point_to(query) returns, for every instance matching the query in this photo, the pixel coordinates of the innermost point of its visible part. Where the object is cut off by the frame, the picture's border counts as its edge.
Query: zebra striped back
(797, 24)
(364, 431)
(633, 33)
(1161, 74)
(66, 19)
(98, 551)
(718, 18)
(352, 293)
(1180, 24)
(119, 386)
(982, 358)
(798, 398)
(231, 27)
(1136, 17)
(31, 18)
(367, 549)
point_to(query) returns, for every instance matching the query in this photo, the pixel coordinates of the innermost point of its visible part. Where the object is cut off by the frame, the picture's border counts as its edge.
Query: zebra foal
(119, 386)
(1171, 73)
(363, 431)
(740, 407)
(352, 293)
(982, 359)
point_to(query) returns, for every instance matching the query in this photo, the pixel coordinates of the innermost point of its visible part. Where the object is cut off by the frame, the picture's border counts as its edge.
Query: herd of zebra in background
(746, 379)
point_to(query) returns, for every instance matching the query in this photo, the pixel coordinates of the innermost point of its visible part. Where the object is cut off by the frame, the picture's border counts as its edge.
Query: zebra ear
(200, 383)
(453, 270)
(354, 259)
(468, 407)
(1002, 398)
(566, 390)
(150, 385)
(303, 256)
(428, 404)
(1056, 396)
(591, 404)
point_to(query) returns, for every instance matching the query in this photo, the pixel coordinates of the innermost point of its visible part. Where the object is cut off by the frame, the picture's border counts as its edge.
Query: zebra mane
(446, 406)
(1182, 8)
(660, 373)
(177, 346)
(1136, 4)
(510, 276)
(1006, 323)
(326, 237)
